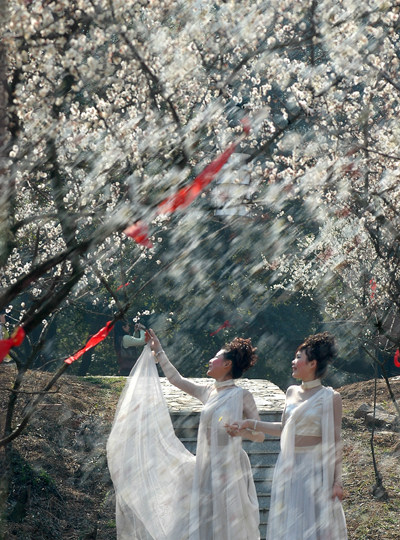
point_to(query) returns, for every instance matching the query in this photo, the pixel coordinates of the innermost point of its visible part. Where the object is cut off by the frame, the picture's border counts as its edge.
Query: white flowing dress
(163, 492)
(302, 507)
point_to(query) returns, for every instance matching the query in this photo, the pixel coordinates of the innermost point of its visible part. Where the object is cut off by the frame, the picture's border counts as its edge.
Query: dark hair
(242, 355)
(320, 347)
(119, 333)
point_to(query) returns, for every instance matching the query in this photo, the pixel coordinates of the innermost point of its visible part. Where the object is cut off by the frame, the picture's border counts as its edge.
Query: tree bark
(4, 456)
(3, 89)
(4, 137)
(378, 489)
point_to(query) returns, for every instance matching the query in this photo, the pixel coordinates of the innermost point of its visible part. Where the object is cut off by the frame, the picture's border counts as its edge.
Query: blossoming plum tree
(112, 106)
(340, 195)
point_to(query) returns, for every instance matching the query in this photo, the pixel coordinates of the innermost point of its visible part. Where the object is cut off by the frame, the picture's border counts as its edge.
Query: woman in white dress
(307, 483)
(162, 490)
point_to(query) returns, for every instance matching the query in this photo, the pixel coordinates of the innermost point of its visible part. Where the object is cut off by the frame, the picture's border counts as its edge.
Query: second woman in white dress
(307, 483)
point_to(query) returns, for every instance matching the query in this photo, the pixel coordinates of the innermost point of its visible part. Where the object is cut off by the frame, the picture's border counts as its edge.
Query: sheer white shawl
(162, 491)
(150, 468)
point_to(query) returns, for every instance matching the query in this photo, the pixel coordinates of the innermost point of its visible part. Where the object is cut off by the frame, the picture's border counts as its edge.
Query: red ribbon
(139, 231)
(246, 124)
(94, 340)
(123, 285)
(397, 358)
(372, 283)
(14, 341)
(188, 194)
(226, 324)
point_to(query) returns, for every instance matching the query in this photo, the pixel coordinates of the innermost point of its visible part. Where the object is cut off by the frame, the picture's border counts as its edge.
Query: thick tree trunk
(3, 89)
(4, 453)
(6, 185)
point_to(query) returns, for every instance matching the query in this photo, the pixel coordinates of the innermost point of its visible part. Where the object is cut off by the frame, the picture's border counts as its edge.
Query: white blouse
(309, 423)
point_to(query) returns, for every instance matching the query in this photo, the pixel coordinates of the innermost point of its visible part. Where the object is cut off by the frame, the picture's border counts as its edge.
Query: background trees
(113, 106)
(346, 220)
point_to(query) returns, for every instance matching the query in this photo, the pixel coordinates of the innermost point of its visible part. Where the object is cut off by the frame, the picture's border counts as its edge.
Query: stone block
(382, 418)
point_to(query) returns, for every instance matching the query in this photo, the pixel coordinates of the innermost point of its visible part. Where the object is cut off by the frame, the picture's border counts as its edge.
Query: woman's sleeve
(337, 420)
(275, 428)
(250, 410)
(131, 341)
(194, 389)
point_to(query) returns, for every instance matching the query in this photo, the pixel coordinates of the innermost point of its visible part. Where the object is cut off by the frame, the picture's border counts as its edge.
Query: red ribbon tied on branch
(124, 285)
(397, 358)
(188, 194)
(225, 324)
(139, 231)
(94, 340)
(372, 284)
(14, 341)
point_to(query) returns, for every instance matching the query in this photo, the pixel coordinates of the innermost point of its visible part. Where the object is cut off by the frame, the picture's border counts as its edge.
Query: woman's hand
(155, 344)
(239, 428)
(245, 429)
(245, 424)
(337, 491)
(234, 431)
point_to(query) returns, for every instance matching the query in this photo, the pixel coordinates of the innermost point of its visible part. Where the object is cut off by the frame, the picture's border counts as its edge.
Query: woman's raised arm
(170, 371)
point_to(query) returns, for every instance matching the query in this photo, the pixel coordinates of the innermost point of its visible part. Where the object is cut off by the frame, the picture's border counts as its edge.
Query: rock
(363, 410)
(382, 418)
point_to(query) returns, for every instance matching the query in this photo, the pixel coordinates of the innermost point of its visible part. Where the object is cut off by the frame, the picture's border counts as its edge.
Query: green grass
(116, 384)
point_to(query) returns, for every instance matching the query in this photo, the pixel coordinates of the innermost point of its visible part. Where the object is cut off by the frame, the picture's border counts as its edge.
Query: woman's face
(218, 366)
(302, 368)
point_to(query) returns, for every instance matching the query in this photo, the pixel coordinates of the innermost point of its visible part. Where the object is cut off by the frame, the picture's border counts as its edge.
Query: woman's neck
(224, 378)
(313, 383)
(222, 383)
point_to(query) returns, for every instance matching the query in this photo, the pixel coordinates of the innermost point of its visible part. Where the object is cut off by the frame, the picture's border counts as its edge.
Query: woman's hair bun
(242, 354)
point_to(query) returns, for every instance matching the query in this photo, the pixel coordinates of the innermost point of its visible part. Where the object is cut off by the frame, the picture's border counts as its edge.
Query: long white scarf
(149, 466)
